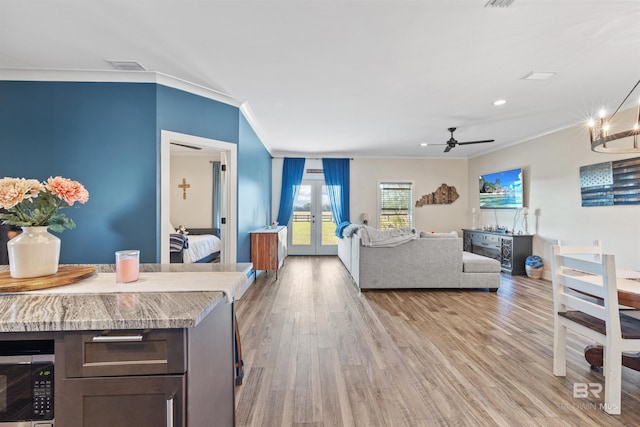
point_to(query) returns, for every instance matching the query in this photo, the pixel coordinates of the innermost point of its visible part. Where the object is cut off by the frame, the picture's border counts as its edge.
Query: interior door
(311, 230)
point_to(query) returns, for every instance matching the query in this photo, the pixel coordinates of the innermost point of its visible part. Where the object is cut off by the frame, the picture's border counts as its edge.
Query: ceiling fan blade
(446, 150)
(476, 142)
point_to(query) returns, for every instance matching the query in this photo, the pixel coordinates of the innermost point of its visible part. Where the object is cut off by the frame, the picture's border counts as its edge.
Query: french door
(312, 230)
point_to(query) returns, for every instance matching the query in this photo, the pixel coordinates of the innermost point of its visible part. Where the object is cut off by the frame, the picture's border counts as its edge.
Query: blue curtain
(336, 177)
(216, 196)
(291, 179)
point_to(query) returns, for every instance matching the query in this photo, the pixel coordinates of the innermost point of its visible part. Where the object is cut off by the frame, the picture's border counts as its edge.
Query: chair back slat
(580, 303)
(577, 281)
(584, 283)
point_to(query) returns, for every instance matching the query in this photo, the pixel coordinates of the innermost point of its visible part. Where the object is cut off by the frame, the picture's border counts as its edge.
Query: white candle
(525, 211)
(473, 210)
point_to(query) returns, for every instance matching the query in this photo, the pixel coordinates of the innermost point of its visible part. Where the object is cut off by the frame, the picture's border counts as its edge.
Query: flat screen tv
(501, 190)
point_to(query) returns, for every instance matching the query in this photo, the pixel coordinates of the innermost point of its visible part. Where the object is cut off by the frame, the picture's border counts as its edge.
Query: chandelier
(600, 136)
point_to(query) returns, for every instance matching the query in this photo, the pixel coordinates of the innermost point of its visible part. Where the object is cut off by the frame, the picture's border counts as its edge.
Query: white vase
(33, 253)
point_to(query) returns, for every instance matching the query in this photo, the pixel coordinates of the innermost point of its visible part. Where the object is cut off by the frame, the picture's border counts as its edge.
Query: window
(395, 205)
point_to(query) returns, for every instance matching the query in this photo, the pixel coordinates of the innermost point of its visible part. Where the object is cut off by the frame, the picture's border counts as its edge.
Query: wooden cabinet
(136, 378)
(269, 248)
(140, 401)
(510, 249)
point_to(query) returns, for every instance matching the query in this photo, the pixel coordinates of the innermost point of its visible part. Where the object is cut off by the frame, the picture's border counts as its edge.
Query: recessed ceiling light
(423, 144)
(498, 102)
(539, 75)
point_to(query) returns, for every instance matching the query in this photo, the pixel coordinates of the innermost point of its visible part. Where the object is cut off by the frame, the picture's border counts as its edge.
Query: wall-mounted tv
(501, 190)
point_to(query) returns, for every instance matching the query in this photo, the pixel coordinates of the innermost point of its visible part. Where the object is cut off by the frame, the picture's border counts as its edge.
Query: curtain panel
(291, 178)
(336, 178)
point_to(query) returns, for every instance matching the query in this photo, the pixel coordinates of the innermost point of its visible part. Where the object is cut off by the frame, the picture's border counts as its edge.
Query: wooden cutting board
(66, 274)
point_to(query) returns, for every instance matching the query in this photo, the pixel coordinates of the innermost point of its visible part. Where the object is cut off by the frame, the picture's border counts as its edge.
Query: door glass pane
(301, 219)
(328, 224)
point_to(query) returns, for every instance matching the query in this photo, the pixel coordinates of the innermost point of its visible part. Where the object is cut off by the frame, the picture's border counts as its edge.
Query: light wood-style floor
(319, 353)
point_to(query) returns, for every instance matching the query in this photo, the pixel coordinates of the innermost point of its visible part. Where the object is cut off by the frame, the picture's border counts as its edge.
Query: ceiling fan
(452, 142)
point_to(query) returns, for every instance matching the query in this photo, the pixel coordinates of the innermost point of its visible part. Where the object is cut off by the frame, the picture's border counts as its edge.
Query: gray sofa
(427, 262)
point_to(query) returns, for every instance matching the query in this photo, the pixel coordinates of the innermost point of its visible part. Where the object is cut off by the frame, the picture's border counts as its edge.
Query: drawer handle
(170, 412)
(118, 338)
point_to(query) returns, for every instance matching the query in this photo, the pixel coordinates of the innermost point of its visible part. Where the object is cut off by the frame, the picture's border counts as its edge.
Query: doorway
(228, 154)
(312, 229)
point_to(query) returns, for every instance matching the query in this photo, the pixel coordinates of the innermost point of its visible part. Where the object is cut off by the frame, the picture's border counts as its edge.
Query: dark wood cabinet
(140, 401)
(510, 249)
(269, 248)
(139, 378)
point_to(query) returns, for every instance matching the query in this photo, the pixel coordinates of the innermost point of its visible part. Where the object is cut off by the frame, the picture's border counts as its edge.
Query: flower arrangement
(30, 203)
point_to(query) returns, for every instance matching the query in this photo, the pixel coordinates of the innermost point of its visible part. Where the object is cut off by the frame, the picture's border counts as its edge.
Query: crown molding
(116, 76)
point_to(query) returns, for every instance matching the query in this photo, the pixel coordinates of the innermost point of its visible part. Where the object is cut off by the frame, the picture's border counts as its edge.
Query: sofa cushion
(427, 234)
(474, 263)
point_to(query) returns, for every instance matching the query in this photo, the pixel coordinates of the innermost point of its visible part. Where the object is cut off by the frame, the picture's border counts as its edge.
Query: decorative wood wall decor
(611, 183)
(184, 187)
(444, 195)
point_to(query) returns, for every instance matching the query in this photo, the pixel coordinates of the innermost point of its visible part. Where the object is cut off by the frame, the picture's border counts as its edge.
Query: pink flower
(15, 190)
(68, 190)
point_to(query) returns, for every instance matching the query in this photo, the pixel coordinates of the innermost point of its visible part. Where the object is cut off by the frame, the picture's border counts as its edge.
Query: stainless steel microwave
(26, 383)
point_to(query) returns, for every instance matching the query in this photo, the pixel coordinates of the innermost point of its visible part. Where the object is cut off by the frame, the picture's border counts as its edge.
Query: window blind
(395, 205)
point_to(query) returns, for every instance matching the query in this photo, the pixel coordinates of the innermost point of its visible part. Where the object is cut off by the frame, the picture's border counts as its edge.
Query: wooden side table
(269, 248)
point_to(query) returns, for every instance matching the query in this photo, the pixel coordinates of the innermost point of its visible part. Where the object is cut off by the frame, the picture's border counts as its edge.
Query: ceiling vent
(539, 75)
(124, 65)
(499, 3)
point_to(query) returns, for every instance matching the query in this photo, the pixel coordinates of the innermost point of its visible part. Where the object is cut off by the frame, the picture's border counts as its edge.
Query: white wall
(195, 211)
(427, 175)
(551, 166)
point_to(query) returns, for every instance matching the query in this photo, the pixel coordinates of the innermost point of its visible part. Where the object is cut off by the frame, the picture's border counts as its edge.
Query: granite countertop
(23, 312)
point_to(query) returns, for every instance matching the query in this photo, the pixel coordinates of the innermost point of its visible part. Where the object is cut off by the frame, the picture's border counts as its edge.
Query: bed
(199, 246)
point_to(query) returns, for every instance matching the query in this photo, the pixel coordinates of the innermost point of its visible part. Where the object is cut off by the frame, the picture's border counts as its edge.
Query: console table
(510, 249)
(268, 248)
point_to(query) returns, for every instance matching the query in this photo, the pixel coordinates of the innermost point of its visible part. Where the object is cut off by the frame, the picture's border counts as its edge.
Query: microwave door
(15, 388)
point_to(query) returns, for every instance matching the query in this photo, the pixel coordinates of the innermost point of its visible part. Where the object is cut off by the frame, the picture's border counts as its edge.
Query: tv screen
(501, 190)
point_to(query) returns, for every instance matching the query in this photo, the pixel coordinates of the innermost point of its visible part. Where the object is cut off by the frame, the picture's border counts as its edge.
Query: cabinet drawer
(486, 240)
(130, 352)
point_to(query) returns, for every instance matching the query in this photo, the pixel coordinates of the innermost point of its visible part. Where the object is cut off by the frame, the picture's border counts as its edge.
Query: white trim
(115, 76)
(230, 241)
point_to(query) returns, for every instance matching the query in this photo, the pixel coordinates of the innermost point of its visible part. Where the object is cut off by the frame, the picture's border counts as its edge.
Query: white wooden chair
(585, 300)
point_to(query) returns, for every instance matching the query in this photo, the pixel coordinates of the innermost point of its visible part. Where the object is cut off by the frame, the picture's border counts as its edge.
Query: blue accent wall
(254, 187)
(101, 134)
(107, 136)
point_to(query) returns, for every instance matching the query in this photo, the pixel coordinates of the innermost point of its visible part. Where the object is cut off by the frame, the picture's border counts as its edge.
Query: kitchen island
(135, 358)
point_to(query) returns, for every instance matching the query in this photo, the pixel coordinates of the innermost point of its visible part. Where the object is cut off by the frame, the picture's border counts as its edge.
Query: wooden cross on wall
(184, 187)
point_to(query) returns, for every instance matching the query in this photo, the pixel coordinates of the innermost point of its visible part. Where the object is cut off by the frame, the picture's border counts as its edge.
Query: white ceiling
(357, 78)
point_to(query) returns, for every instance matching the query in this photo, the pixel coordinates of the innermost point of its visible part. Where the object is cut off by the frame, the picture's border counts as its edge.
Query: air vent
(315, 171)
(124, 65)
(539, 75)
(499, 3)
